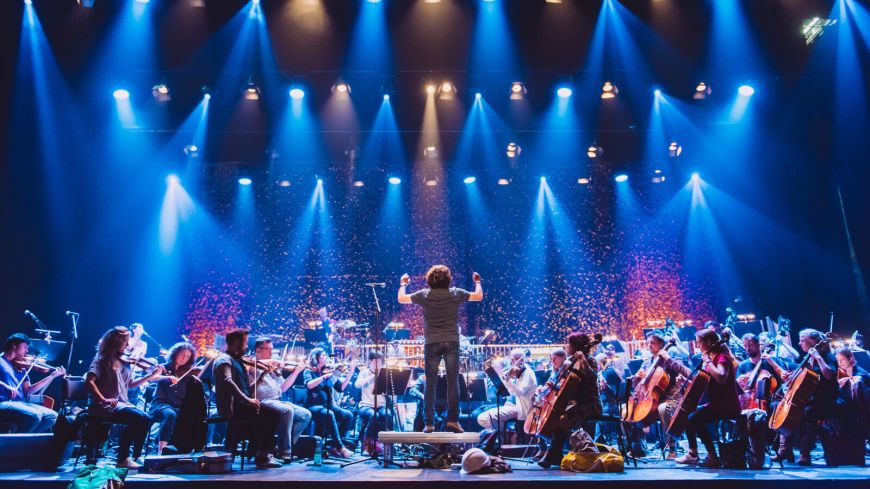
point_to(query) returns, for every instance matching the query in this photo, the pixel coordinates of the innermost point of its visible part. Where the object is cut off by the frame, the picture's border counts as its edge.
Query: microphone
(29, 314)
(34, 318)
(72, 313)
(376, 284)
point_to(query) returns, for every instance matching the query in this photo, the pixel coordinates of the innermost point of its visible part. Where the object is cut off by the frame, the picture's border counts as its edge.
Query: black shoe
(454, 427)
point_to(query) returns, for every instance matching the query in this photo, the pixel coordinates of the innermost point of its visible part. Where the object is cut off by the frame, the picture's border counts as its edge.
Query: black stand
(385, 385)
(500, 391)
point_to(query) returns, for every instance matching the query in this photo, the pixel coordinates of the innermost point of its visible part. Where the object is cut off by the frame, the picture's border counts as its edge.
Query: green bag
(93, 477)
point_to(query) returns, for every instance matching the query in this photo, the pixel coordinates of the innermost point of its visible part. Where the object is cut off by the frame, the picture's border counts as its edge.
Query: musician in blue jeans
(440, 304)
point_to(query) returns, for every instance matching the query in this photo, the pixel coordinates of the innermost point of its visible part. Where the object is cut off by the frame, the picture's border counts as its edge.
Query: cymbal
(344, 324)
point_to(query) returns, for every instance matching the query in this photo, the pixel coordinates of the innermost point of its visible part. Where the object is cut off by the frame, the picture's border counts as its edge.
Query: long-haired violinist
(109, 379)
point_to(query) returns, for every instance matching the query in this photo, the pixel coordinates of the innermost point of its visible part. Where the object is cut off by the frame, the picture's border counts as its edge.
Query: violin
(33, 364)
(142, 363)
(267, 365)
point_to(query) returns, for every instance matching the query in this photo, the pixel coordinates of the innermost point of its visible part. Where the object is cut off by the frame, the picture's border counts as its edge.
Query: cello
(543, 419)
(644, 401)
(759, 386)
(690, 395)
(789, 413)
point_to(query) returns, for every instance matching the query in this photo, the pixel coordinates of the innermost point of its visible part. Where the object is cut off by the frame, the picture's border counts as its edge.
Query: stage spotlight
(674, 149)
(702, 91)
(28, 2)
(245, 181)
(446, 91)
(564, 92)
(543, 179)
(518, 91)
(395, 180)
(584, 180)
(121, 94)
(658, 176)
(622, 177)
(319, 181)
(430, 152)
(430, 89)
(430, 181)
(341, 87)
(594, 151)
(813, 28)
(297, 93)
(283, 183)
(504, 181)
(143, 1)
(206, 96)
(251, 90)
(554, 1)
(609, 90)
(373, 1)
(477, 96)
(359, 183)
(513, 150)
(386, 97)
(469, 180)
(206, 91)
(746, 90)
(161, 92)
(657, 92)
(191, 150)
(696, 177)
(83, 3)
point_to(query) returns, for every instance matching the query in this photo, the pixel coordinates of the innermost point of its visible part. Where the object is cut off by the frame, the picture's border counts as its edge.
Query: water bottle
(318, 452)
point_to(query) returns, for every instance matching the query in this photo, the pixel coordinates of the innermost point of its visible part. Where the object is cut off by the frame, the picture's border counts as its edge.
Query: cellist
(755, 356)
(823, 403)
(722, 397)
(674, 368)
(586, 399)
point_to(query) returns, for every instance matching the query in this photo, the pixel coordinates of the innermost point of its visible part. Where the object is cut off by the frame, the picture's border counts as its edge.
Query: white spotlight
(594, 151)
(518, 91)
(609, 90)
(702, 91)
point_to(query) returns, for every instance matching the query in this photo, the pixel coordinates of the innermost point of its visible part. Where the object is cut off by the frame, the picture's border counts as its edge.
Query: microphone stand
(75, 334)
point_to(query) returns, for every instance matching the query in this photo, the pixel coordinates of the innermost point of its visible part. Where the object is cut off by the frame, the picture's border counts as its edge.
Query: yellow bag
(607, 459)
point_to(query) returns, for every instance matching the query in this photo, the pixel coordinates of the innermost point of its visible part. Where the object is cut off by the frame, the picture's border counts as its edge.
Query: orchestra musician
(853, 382)
(170, 393)
(754, 356)
(586, 398)
(722, 397)
(109, 379)
(365, 382)
(824, 402)
(237, 401)
(270, 385)
(669, 401)
(322, 382)
(440, 304)
(15, 389)
(557, 361)
(520, 383)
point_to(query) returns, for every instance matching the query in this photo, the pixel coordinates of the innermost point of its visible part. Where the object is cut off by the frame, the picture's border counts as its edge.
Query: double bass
(789, 413)
(644, 401)
(690, 395)
(543, 419)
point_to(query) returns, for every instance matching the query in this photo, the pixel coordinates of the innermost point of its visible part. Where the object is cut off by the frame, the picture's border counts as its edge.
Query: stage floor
(662, 474)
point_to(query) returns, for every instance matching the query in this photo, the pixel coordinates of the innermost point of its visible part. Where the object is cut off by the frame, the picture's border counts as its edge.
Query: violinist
(322, 381)
(15, 387)
(371, 419)
(722, 397)
(237, 401)
(109, 379)
(586, 400)
(520, 383)
(674, 369)
(137, 348)
(270, 385)
(171, 391)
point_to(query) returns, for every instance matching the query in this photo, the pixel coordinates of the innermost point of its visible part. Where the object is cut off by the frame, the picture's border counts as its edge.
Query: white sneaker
(127, 463)
(688, 459)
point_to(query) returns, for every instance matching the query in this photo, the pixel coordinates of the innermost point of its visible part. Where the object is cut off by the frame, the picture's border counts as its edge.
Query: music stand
(687, 333)
(49, 349)
(634, 365)
(500, 391)
(743, 327)
(315, 336)
(386, 385)
(397, 334)
(476, 390)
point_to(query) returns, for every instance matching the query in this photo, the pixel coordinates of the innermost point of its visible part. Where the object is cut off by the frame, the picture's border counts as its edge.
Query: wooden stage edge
(655, 474)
